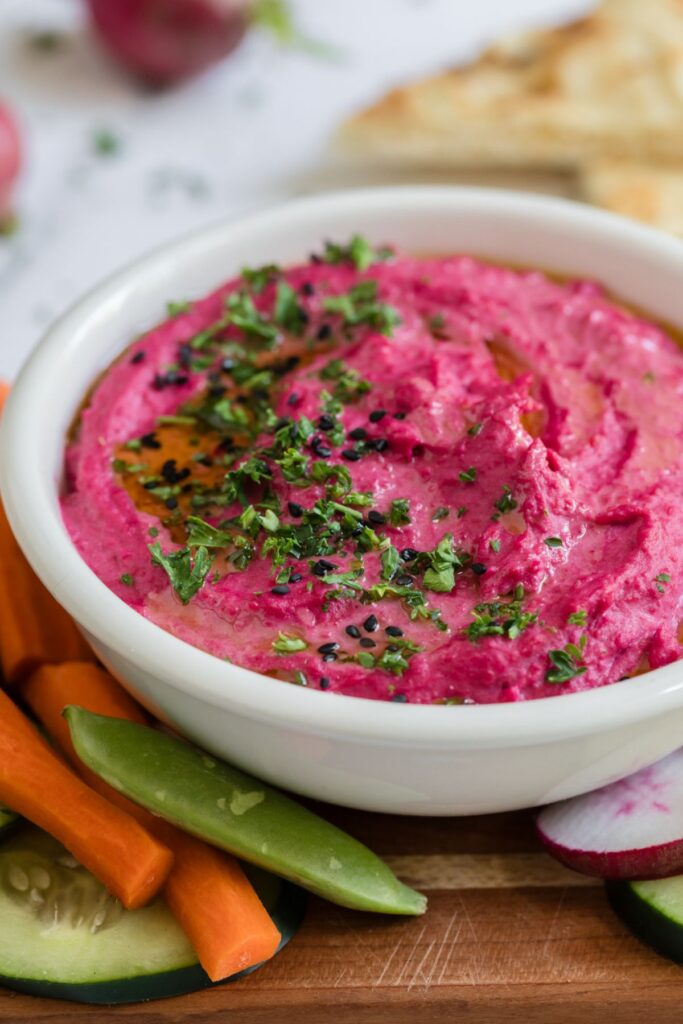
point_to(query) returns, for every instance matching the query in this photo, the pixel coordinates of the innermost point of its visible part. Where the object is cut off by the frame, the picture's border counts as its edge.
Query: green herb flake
(494, 544)
(288, 313)
(360, 306)
(186, 574)
(468, 476)
(287, 643)
(566, 663)
(258, 278)
(440, 513)
(391, 562)
(553, 542)
(176, 308)
(105, 143)
(506, 503)
(358, 251)
(500, 618)
(475, 429)
(399, 512)
(126, 579)
(578, 618)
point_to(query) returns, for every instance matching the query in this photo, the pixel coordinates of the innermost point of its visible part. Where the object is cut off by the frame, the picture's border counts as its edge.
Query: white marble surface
(251, 131)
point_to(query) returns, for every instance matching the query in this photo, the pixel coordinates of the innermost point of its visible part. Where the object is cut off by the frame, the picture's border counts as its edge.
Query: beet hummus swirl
(419, 480)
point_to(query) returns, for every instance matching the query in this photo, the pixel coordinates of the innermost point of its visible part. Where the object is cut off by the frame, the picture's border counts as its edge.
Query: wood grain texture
(509, 936)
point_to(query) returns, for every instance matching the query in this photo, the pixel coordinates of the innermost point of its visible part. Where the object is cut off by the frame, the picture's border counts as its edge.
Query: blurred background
(123, 125)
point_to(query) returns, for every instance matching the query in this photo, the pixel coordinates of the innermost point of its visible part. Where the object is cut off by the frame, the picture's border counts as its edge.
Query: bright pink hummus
(507, 522)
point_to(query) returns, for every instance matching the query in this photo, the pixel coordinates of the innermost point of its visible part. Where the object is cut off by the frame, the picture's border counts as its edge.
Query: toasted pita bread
(651, 194)
(610, 84)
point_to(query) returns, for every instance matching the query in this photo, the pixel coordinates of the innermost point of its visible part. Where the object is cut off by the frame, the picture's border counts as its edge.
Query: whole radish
(10, 163)
(164, 41)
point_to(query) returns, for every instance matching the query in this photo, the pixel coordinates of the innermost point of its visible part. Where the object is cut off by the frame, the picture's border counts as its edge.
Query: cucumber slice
(653, 911)
(8, 819)
(63, 936)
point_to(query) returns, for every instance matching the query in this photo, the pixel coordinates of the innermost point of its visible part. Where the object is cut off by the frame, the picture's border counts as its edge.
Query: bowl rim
(27, 485)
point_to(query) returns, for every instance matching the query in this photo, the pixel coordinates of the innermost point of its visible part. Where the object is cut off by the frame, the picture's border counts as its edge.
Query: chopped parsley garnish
(242, 313)
(475, 429)
(494, 544)
(286, 643)
(440, 513)
(349, 385)
(501, 618)
(443, 561)
(126, 579)
(257, 278)
(506, 503)
(391, 562)
(567, 663)
(288, 313)
(360, 306)
(399, 512)
(578, 618)
(553, 542)
(660, 580)
(176, 308)
(468, 476)
(186, 574)
(105, 143)
(201, 534)
(358, 251)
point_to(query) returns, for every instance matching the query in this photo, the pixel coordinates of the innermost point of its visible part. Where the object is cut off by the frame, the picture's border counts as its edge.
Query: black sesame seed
(393, 631)
(330, 657)
(290, 363)
(205, 461)
(351, 455)
(307, 289)
(358, 434)
(324, 682)
(353, 631)
(325, 422)
(151, 484)
(322, 567)
(295, 509)
(185, 355)
(329, 648)
(400, 415)
(280, 590)
(399, 698)
(171, 503)
(138, 358)
(213, 376)
(365, 641)
(376, 518)
(404, 580)
(217, 391)
(321, 450)
(226, 445)
(293, 398)
(371, 624)
(227, 365)
(478, 568)
(324, 331)
(376, 415)
(408, 554)
(393, 647)
(380, 444)
(296, 577)
(150, 441)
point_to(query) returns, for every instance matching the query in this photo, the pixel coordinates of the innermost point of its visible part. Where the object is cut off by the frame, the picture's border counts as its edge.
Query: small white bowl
(380, 756)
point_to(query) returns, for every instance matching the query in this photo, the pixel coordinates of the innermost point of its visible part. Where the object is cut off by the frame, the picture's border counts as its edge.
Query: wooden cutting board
(510, 936)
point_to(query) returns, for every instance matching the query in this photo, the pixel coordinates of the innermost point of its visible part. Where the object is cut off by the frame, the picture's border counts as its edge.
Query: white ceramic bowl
(380, 756)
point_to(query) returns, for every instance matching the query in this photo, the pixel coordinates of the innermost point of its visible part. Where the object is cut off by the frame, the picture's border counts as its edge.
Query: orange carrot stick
(35, 783)
(207, 891)
(33, 627)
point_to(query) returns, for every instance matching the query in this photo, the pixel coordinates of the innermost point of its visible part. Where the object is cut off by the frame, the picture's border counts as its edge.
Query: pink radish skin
(632, 829)
(10, 161)
(165, 41)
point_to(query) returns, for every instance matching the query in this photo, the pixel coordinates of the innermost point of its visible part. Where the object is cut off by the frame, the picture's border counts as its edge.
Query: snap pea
(233, 810)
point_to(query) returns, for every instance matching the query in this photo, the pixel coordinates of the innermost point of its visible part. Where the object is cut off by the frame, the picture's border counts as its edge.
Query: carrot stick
(35, 783)
(33, 627)
(207, 891)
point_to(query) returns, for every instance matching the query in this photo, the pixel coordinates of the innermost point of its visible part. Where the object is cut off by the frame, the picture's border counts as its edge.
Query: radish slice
(630, 829)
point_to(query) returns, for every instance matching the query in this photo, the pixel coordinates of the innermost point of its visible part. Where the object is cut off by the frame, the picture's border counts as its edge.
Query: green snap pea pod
(233, 810)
